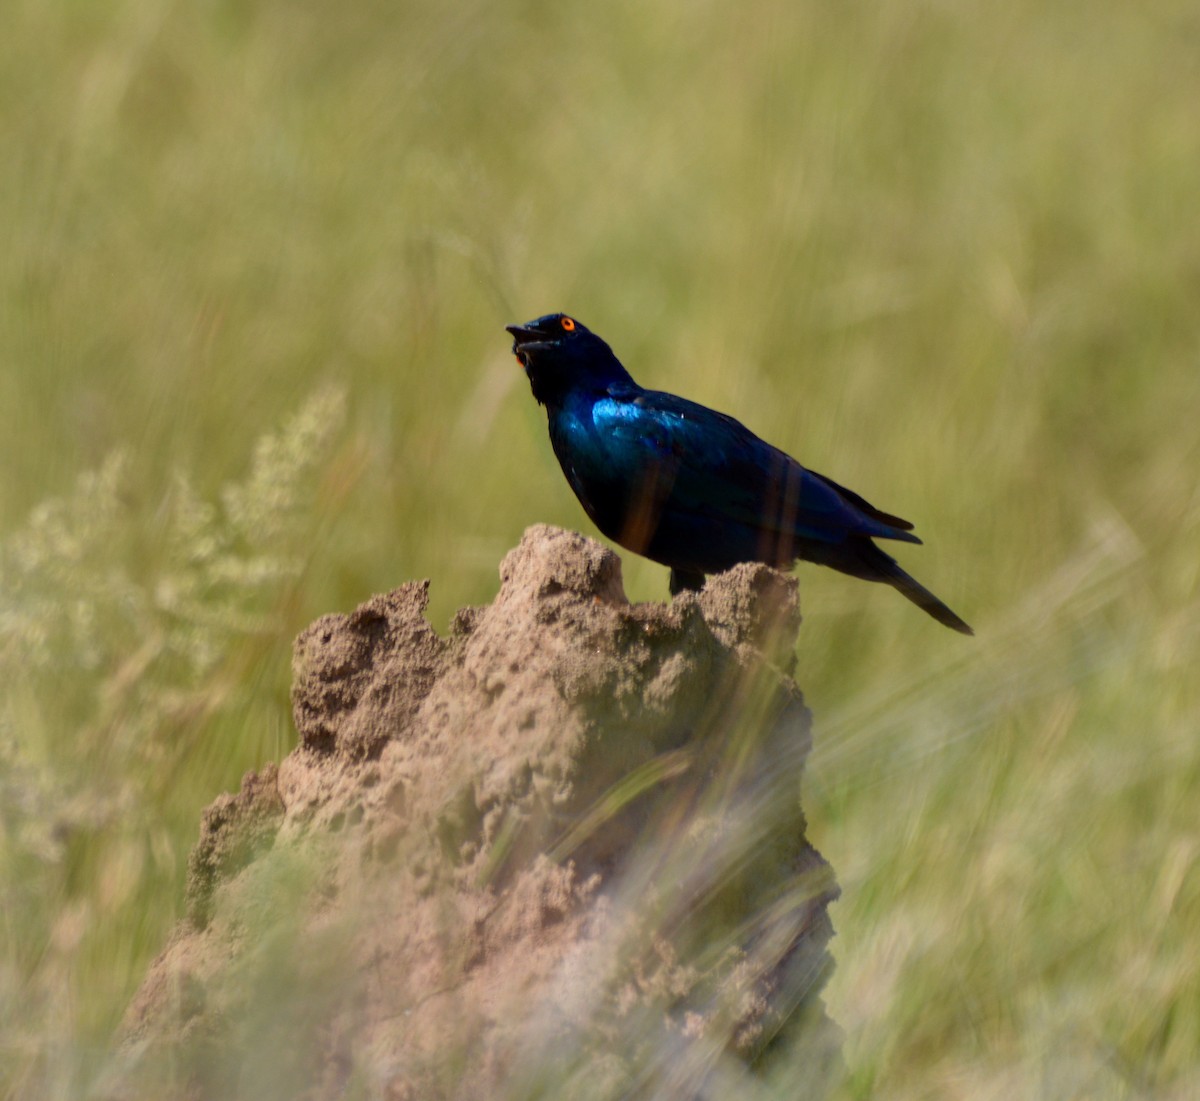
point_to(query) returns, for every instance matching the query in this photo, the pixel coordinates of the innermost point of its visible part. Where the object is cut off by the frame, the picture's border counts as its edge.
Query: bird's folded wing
(719, 468)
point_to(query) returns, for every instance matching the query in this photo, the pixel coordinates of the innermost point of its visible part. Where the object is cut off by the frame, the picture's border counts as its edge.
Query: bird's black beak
(526, 338)
(524, 334)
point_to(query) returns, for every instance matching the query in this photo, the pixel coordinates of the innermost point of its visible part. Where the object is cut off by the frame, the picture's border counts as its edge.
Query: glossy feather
(690, 487)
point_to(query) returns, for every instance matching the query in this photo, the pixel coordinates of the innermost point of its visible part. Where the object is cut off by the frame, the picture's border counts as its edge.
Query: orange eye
(568, 324)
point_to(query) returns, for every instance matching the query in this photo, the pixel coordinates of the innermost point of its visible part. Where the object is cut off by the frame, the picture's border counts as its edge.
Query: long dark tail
(923, 598)
(859, 557)
(890, 571)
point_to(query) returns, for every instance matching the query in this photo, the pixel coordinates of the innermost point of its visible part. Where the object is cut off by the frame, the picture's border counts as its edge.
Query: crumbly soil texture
(559, 853)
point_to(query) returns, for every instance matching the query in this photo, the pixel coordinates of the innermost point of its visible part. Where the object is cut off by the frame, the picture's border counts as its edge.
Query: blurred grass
(942, 253)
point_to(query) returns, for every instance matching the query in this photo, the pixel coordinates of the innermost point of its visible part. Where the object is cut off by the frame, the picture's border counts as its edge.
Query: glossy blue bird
(692, 488)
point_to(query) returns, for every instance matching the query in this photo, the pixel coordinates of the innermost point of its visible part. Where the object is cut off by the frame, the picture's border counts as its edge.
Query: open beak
(523, 334)
(526, 338)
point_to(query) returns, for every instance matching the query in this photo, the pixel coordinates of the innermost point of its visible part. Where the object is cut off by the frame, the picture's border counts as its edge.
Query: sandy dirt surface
(558, 853)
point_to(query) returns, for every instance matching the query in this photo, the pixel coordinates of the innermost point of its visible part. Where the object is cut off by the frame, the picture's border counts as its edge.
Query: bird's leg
(682, 580)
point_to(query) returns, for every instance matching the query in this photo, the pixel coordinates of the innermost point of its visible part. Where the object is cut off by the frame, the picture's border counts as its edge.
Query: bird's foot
(686, 580)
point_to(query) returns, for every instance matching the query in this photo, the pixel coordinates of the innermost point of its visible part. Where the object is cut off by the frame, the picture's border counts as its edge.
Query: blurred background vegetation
(257, 258)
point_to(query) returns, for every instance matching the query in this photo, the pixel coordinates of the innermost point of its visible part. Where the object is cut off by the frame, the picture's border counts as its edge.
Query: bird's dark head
(560, 354)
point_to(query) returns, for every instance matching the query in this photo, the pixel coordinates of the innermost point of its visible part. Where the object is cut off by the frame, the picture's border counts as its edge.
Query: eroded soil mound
(560, 853)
